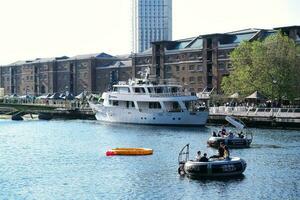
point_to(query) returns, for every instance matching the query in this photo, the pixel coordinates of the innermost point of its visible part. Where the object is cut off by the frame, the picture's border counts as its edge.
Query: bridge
(18, 110)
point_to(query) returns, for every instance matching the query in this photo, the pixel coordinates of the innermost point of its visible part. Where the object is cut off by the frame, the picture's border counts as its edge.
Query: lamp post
(273, 83)
(26, 93)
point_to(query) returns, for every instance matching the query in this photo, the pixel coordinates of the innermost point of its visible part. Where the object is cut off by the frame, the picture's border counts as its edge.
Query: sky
(32, 29)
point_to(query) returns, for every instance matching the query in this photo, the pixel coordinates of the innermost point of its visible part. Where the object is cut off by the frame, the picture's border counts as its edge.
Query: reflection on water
(66, 160)
(265, 146)
(205, 180)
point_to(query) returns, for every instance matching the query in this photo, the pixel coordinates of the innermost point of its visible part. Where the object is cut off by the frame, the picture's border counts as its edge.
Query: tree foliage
(271, 66)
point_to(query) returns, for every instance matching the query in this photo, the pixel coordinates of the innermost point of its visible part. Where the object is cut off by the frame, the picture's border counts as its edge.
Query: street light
(273, 83)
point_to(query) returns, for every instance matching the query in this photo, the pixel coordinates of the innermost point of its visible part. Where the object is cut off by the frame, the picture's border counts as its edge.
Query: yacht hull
(134, 116)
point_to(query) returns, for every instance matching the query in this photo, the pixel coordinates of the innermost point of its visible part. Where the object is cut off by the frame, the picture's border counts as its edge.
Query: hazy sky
(48, 28)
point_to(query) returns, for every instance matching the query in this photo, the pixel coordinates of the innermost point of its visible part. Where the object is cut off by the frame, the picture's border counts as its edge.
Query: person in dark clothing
(204, 158)
(214, 134)
(220, 151)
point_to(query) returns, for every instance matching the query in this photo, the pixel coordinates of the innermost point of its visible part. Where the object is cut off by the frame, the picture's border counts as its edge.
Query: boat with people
(146, 101)
(241, 137)
(213, 168)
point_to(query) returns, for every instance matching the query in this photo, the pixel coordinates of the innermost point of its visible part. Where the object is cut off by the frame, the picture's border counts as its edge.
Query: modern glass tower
(151, 21)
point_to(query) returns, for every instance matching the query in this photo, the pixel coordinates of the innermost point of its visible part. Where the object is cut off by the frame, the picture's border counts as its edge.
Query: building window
(192, 80)
(192, 56)
(177, 68)
(199, 68)
(191, 68)
(199, 79)
(168, 68)
(222, 65)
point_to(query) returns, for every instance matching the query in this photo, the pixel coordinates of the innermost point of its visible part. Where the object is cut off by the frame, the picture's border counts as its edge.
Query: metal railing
(252, 111)
(175, 94)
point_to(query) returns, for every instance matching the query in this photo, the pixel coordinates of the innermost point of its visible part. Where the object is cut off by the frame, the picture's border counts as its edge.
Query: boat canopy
(235, 122)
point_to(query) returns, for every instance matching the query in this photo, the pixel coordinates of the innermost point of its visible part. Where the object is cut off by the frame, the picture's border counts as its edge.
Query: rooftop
(227, 38)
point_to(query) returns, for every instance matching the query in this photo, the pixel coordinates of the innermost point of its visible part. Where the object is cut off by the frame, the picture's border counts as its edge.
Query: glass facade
(152, 21)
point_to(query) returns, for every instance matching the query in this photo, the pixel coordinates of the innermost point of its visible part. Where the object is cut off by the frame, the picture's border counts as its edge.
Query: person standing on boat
(220, 152)
(198, 156)
(223, 131)
(226, 152)
(204, 158)
(230, 136)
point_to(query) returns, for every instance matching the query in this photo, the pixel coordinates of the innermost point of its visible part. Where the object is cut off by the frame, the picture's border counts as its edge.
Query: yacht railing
(177, 94)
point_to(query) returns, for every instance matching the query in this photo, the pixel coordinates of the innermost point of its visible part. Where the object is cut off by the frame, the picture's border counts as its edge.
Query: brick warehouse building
(196, 63)
(92, 72)
(200, 62)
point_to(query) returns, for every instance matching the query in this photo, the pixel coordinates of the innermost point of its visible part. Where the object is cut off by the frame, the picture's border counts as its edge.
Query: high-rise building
(151, 21)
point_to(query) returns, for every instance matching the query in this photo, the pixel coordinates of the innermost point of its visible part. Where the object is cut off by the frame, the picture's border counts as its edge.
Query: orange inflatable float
(129, 151)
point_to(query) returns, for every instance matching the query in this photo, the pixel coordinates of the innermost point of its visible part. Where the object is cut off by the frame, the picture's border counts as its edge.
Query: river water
(66, 160)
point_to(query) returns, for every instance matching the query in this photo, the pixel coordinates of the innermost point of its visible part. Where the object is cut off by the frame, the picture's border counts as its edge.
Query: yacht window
(115, 103)
(159, 90)
(190, 105)
(115, 89)
(124, 90)
(137, 90)
(154, 105)
(174, 89)
(176, 105)
(151, 90)
(129, 104)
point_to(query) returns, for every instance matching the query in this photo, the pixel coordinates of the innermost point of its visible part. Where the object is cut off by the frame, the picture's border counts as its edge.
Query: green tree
(271, 66)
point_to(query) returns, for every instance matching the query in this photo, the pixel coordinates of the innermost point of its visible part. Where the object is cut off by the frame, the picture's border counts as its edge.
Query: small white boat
(230, 167)
(240, 138)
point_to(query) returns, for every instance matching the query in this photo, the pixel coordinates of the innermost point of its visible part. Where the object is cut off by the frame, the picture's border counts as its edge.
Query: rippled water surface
(66, 160)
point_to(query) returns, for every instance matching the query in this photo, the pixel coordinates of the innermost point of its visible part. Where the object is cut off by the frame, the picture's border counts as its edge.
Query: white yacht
(141, 101)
